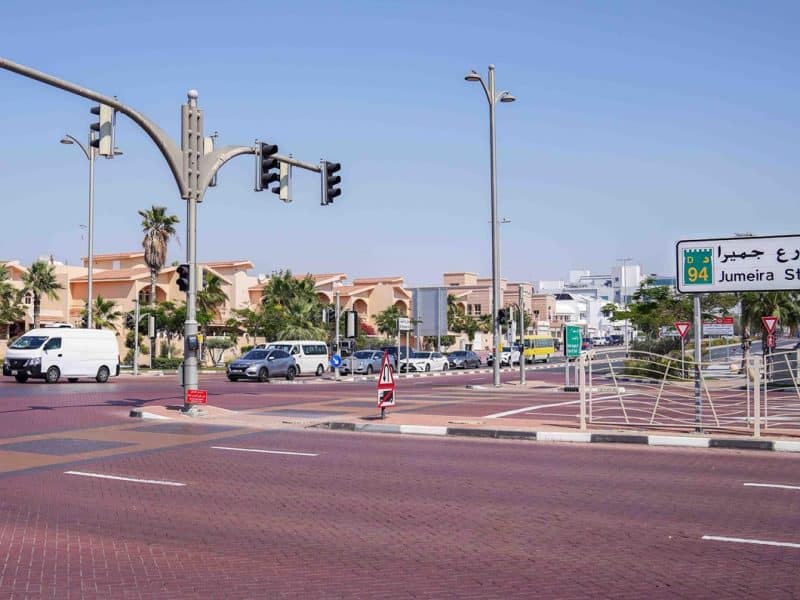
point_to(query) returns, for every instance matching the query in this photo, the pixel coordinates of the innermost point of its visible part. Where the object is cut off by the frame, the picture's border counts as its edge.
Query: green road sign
(698, 268)
(572, 340)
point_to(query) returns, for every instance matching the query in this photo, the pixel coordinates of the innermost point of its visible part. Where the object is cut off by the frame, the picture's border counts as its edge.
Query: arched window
(144, 296)
(28, 298)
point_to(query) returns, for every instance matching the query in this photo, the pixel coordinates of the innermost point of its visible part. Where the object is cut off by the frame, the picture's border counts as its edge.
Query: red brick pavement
(386, 516)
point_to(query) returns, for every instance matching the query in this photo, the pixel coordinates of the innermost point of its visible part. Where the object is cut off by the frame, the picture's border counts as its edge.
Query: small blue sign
(336, 361)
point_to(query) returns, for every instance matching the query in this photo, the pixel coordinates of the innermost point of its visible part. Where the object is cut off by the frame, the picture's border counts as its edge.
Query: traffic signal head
(502, 316)
(329, 181)
(103, 130)
(266, 166)
(183, 278)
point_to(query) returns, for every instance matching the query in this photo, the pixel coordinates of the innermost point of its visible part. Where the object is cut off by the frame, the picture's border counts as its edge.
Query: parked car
(362, 361)
(599, 340)
(508, 356)
(586, 344)
(615, 339)
(392, 350)
(463, 359)
(263, 363)
(425, 361)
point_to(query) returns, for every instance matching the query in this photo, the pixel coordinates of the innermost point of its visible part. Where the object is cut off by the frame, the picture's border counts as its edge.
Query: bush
(167, 363)
(246, 349)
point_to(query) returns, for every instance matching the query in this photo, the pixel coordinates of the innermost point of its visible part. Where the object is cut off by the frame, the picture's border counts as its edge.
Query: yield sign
(386, 380)
(682, 327)
(769, 323)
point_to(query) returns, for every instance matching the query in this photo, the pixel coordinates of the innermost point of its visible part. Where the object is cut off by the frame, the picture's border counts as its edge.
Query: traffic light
(328, 314)
(329, 181)
(183, 278)
(285, 190)
(103, 139)
(502, 316)
(266, 166)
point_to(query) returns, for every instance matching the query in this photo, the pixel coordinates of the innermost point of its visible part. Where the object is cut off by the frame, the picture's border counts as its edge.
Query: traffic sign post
(572, 347)
(386, 385)
(683, 329)
(769, 323)
(196, 397)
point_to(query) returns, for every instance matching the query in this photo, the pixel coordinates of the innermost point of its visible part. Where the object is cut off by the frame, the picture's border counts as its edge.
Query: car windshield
(363, 354)
(421, 355)
(286, 347)
(255, 355)
(28, 342)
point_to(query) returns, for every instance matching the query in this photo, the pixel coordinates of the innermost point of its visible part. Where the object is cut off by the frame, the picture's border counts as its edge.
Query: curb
(569, 436)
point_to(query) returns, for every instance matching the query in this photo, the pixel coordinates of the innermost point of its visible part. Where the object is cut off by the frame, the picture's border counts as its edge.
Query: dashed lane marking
(132, 479)
(717, 538)
(773, 485)
(263, 451)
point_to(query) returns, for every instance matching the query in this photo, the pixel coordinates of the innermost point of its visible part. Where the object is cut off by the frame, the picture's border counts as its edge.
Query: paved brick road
(408, 518)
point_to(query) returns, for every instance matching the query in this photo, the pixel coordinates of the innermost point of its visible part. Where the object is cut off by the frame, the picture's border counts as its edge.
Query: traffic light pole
(192, 170)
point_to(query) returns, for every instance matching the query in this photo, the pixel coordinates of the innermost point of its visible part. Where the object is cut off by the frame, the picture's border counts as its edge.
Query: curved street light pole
(492, 99)
(90, 153)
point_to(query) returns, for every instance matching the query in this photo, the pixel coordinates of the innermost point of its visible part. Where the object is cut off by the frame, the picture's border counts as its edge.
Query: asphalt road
(94, 504)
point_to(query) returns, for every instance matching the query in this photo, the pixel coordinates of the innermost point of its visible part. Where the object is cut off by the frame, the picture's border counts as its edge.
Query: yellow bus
(539, 347)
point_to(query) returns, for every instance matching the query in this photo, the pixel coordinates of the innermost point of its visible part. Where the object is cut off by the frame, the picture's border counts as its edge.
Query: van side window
(295, 350)
(53, 344)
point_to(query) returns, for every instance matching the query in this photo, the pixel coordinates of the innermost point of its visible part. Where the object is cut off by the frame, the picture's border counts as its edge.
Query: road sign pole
(698, 340)
(683, 357)
(338, 347)
(521, 339)
(399, 341)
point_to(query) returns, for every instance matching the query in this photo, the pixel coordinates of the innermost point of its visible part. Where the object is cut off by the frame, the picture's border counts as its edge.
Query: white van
(52, 353)
(311, 356)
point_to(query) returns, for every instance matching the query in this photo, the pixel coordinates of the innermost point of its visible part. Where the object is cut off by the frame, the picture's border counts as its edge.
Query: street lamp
(90, 152)
(622, 287)
(493, 98)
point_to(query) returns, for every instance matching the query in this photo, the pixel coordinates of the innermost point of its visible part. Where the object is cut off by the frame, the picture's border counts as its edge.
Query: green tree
(10, 297)
(386, 321)
(40, 280)
(783, 305)
(158, 228)
(290, 308)
(104, 314)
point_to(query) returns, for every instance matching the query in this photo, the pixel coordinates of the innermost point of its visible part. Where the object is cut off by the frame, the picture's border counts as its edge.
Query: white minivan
(51, 353)
(311, 356)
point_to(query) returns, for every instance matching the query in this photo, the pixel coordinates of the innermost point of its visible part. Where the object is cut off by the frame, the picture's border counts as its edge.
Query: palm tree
(291, 308)
(783, 305)
(104, 314)
(209, 299)
(158, 228)
(40, 280)
(10, 309)
(300, 322)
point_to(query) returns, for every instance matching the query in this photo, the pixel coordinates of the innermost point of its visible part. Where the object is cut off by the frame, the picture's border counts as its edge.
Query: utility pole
(521, 338)
(338, 346)
(193, 170)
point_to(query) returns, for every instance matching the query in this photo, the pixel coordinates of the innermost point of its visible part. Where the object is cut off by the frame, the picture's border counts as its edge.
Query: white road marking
(717, 538)
(263, 451)
(541, 406)
(133, 479)
(773, 485)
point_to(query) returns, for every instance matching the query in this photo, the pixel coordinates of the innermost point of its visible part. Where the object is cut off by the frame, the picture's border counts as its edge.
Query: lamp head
(67, 141)
(507, 97)
(472, 76)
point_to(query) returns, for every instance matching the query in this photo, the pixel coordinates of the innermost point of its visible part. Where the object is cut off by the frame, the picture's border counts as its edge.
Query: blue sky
(637, 124)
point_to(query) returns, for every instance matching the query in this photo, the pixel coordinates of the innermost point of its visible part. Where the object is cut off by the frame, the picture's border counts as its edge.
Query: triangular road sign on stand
(682, 327)
(769, 323)
(386, 384)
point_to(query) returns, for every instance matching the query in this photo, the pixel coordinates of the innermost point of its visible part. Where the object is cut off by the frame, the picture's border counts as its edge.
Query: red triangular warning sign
(682, 327)
(386, 379)
(769, 323)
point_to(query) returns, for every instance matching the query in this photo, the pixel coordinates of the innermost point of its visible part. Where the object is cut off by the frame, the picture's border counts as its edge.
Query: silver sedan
(363, 361)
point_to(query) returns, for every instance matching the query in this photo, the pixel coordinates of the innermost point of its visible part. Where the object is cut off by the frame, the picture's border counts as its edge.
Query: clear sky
(637, 124)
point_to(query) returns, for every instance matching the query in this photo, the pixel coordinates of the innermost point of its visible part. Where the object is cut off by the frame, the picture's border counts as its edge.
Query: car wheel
(320, 370)
(263, 374)
(232, 378)
(102, 374)
(52, 375)
(427, 367)
(369, 369)
(72, 379)
(290, 373)
(21, 378)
